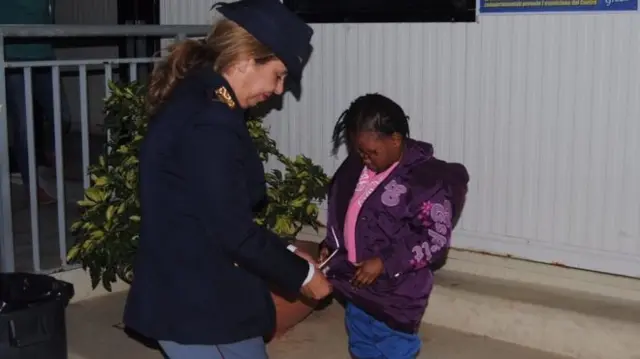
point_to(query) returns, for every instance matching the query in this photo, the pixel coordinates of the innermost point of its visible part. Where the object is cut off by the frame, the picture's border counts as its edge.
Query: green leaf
(100, 181)
(95, 277)
(76, 226)
(122, 208)
(311, 210)
(86, 203)
(94, 194)
(88, 245)
(73, 253)
(96, 235)
(299, 202)
(283, 225)
(111, 210)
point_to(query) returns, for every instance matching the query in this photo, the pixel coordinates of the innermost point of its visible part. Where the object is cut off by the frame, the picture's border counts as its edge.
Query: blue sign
(515, 6)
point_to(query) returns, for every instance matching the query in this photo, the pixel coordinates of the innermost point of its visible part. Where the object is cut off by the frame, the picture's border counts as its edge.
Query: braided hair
(369, 113)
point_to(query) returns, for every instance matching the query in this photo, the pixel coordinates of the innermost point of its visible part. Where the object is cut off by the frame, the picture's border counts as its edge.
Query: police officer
(200, 277)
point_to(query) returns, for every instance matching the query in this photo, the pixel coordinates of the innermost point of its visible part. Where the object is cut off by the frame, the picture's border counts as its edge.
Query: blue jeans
(42, 92)
(372, 339)
(247, 349)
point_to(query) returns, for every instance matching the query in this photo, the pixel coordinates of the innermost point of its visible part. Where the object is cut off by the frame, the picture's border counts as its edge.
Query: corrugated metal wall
(176, 12)
(87, 12)
(544, 110)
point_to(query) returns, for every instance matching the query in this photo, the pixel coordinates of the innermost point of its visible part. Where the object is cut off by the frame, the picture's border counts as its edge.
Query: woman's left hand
(368, 271)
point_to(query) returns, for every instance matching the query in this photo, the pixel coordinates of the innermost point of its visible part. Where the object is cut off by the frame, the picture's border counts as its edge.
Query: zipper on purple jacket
(335, 237)
(326, 261)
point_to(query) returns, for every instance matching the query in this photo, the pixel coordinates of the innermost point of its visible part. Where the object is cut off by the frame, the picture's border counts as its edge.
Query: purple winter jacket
(407, 222)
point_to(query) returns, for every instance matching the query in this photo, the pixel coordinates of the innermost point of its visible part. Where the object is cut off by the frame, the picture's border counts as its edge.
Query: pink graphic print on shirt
(367, 183)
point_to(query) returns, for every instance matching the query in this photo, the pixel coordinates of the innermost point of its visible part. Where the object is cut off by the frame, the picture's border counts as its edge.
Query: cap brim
(294, 86)
(234, 12)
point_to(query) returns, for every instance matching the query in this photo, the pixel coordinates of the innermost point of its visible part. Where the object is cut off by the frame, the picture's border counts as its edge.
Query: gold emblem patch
(225, 97)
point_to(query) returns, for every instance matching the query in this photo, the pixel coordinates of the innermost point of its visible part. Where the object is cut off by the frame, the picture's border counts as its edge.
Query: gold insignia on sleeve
(225, 97)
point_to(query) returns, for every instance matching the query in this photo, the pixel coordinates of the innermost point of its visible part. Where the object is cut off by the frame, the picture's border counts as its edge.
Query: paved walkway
(94, 333)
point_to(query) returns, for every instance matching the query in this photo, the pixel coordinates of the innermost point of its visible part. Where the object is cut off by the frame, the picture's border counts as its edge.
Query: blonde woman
(202, 266)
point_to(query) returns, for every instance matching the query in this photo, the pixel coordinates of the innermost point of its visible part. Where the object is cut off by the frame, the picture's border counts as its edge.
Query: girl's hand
(367, 273)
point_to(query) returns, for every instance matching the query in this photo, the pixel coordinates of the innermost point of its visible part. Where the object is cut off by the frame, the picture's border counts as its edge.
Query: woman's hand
(324, 254)
(318, 288)
(367, 273)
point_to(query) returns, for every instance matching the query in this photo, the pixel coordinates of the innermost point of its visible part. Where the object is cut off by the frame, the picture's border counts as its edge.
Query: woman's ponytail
(183, 56)
(226, 44)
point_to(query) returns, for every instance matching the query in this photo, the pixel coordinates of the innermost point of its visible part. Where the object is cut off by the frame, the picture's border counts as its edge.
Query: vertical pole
(84, 125)
(108, 78)
(57, 134)
(33, 169)
(7, 260)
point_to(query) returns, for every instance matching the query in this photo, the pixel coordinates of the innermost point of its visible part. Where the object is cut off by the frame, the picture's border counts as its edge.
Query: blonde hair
(225, 45)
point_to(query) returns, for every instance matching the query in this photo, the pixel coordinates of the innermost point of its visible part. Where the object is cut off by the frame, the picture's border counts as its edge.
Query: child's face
(378, 151)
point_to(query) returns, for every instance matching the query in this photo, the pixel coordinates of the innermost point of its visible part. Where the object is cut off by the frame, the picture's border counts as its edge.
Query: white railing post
(7, 260)
(59, 165)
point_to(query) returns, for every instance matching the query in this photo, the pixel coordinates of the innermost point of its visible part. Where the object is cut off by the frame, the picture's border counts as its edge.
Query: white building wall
(544, 110)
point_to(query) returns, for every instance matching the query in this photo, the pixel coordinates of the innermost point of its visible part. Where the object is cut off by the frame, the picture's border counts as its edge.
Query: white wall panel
(180, 12)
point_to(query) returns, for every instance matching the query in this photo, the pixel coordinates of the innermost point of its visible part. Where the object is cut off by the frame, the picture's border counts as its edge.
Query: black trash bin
(32, 316)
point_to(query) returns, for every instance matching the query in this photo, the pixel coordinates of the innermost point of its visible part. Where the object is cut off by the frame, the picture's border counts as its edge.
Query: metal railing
(7, 230)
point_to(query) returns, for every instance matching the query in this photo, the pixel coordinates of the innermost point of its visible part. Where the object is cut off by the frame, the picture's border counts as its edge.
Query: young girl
(392, 206)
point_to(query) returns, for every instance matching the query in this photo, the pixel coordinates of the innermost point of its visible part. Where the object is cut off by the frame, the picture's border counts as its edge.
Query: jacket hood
(421, 154)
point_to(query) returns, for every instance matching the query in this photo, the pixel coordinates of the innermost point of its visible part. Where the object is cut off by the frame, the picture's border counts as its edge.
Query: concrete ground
(95, 332)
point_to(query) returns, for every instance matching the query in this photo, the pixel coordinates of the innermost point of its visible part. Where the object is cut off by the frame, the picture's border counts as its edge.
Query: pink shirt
(367, 183)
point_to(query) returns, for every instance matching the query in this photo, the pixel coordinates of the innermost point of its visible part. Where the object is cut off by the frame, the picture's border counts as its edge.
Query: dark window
(355, 11)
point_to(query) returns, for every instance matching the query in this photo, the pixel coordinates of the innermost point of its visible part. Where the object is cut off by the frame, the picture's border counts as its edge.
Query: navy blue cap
(275, 26)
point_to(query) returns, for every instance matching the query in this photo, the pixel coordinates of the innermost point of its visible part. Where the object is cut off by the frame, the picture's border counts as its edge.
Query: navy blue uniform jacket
(202, 267)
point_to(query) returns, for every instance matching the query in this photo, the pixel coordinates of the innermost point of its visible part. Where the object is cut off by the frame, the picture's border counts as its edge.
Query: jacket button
(235, 264)
(364, 218)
